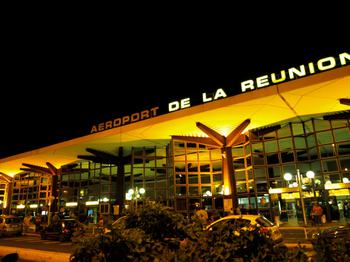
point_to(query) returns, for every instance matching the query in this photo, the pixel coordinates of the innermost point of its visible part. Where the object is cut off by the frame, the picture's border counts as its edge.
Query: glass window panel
(343, 148)
(308, 127)
(180, 179)
(238, 163)
(324, 137)
(285, 144)
(287, 157)
(335, 178)
(204, 155)
(257, 147)
(277, 183)
(237, 151)
(339, 123)
(205, 179)
(193, 191)
(311, 140)
(181, 191)
(193, 179)
(297, 129)
(270, 135)
(180, 156)
(321, 124)
(192, 167)
(217, 166)
(272, 159)
(300, 142)
(218, 190)
(215, 154)
(206, 191)
(250, 174)
(217, 177)
(251, 186)
(284, 131)
(274, 171)
(345, 164)
(258, 159)
(259, 172)
(289, 169)
(261, 187)
(271, 146)
(240, 175)
(247, 149)
(205, 167)
(191, 146)
(315, 166)
(327, 151)
(329, 165)
(241, 187)
(179, 145)
(180, 167)
(192, 157)
(302, 155)
(342, 134)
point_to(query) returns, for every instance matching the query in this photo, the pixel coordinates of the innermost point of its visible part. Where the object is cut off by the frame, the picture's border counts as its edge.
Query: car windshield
(69, 223)
(263, 221)
(11, 220)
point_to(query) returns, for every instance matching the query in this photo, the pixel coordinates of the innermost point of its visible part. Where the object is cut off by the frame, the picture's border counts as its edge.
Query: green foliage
(157, 233)
(331, 249)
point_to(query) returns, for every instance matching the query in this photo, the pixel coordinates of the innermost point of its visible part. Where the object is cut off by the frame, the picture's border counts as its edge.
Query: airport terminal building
(253, 150)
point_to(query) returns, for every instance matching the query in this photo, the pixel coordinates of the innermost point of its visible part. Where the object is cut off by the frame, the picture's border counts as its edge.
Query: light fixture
(288, 176)
(346, 180)
(310, 174)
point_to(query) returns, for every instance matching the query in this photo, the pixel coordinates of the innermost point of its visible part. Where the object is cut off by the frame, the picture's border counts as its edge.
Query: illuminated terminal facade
(253, 150)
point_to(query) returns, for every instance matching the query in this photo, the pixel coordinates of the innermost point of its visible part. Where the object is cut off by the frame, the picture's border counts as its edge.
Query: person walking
(317, 212)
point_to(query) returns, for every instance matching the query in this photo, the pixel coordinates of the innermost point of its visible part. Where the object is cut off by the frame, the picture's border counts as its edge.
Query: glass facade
(185, 174)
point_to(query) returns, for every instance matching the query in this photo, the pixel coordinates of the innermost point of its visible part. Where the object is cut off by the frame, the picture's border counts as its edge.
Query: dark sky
(55, 92)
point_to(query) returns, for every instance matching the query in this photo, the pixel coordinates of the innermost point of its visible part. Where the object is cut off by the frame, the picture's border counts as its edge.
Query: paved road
(34, 242)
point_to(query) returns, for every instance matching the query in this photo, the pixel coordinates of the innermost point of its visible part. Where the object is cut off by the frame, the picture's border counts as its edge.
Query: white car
(246, 221)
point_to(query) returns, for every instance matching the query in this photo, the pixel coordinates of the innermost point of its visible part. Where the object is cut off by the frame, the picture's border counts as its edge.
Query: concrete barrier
(36, 255)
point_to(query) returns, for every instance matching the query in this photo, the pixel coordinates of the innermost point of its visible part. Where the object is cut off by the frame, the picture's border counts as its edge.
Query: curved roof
(315, 94)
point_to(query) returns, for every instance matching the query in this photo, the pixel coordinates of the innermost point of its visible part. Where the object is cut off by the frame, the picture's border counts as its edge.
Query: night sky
(52, 93)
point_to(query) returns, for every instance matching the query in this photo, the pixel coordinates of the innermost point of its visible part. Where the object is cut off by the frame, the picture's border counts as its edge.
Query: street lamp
(134, 195)
(311, 175)
(298, 183)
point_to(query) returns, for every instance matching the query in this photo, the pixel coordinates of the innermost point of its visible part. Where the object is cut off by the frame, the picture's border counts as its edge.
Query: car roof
(252, 218)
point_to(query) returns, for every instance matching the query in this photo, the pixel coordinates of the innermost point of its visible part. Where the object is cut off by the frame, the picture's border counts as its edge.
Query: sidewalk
(27, 254)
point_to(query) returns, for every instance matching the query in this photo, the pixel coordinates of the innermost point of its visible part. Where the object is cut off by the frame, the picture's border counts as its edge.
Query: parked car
(246, 221)
(10, 225)
(332, 234)
(62, 230)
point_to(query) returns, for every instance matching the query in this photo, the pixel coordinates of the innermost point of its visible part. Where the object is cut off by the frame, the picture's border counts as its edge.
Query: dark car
(246, 221)
(62, 230)
(332, 244)
(332, 234)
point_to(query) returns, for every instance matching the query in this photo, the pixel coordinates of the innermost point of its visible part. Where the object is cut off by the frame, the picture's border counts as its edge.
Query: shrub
(157, 233)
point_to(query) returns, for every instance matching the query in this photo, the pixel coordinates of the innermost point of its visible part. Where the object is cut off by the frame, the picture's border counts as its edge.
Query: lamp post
(298, 183)
(311, 175)
(134, 195)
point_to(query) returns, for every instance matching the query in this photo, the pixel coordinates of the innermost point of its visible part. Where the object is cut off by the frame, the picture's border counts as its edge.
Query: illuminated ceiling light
(310, 174)
(288, 176)
(344, 101)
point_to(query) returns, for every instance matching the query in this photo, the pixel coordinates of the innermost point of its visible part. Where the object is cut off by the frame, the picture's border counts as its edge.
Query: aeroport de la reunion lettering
(292, 73)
